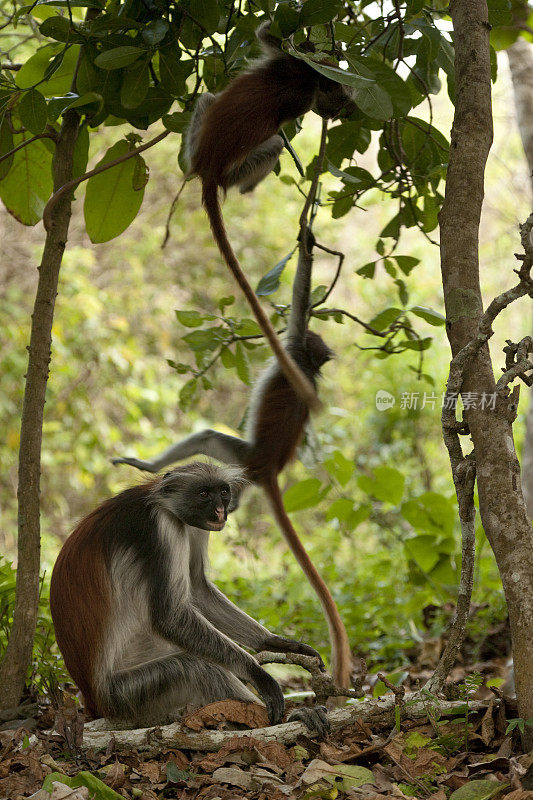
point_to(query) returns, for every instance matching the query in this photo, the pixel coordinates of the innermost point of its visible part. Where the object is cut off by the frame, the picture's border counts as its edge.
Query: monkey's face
(333, 99)
(203, 505)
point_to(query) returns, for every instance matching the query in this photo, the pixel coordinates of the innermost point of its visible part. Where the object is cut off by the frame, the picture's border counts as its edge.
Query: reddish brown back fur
(250, 110)
(281, 417)
(80, 604)
(80, 596)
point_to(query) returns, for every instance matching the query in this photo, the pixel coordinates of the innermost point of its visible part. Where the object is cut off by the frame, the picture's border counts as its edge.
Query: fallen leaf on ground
(252, 715)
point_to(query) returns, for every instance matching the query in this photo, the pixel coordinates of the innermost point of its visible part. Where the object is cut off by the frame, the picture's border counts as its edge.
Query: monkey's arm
(243, 629)
(179, 622)
(228, 449)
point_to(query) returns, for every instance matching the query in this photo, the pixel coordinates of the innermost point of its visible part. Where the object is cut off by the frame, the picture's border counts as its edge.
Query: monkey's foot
(315, 719)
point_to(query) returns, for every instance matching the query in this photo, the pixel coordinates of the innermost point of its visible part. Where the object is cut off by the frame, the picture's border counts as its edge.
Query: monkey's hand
(315, 719)
(147, 466)
(278, 644)
(270, 691)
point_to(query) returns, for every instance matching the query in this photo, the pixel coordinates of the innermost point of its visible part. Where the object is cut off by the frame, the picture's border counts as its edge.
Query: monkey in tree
(142, 629)
(233, 140)
(276, 422)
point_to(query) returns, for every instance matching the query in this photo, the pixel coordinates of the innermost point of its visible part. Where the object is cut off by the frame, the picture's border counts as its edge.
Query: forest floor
(475, 755)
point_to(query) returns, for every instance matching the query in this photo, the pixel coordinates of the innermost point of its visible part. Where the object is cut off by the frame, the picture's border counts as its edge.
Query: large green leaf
(97, 788)
(111, 201)
(135, 85)
(32, 111)
(118, 57)
(6, 145)
(304, 494)
(318, 12)
(387, 484)
(28, 184)
(53, 62)
(269, 283)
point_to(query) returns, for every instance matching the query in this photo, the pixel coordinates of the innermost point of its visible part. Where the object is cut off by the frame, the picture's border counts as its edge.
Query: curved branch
(67, 187)
(26, 143)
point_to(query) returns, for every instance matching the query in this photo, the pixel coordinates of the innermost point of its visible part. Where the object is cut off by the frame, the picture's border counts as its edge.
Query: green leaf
(406, 263)
(340, 509)
(111, 202)
(385, 318)
(205, 339)
(422, 550)
(28, 184)
(339, 467)
(32, 111)
(387, 484)
(52, 62)
(318, 12)
(269, 283)
(478, 790)
(431, 316)
(155, 32)
(193, 319)
(97, 788)
(242, 364)
(135, 85)
(374, 101)
(57, 28)
(227, 358)
(187, 393)
(177, 122)
(173, 71)
(336, 74)
(6, 145)
(304, 494)
(118, 57)
(57, 105)
(90, 103)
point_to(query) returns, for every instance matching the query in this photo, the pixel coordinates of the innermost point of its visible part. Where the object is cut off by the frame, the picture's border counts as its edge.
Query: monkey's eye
(204, 493)
(224, 491)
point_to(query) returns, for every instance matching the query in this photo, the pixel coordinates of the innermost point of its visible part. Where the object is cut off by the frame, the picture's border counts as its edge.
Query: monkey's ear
(237, 481)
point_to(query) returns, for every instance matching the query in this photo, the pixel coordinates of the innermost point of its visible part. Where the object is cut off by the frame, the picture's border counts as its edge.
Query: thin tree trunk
(520, 56)
(14, 667)
(501, 502)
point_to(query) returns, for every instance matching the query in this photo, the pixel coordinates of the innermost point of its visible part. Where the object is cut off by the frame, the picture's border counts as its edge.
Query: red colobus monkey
(141, 628)
(232, 140)
(276, 422)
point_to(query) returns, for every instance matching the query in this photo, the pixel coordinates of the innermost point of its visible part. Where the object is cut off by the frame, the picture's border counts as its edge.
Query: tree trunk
(501, 502)
(14, 667)
(520, 56)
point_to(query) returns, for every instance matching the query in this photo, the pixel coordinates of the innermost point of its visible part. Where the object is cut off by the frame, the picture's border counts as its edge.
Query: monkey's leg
(151, 692)
(228, 449)
(259, 163)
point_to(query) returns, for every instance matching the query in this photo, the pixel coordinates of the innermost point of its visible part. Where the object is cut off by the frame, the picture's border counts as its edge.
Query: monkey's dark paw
(280, 645)
(134, 462)
(271, 694)
(315, 719)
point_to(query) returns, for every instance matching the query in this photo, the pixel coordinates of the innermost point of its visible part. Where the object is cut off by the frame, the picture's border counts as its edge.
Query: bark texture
(501, 502)
(520, 56)
(14, 666)
(97, 735)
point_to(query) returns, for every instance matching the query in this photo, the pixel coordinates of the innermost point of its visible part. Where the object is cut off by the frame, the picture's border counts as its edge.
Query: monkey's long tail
(301, 385)
(340, 645)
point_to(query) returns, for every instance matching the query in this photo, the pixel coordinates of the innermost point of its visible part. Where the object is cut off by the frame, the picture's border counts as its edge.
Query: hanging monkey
(233, 140)
(142, 629)
(276, 422)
